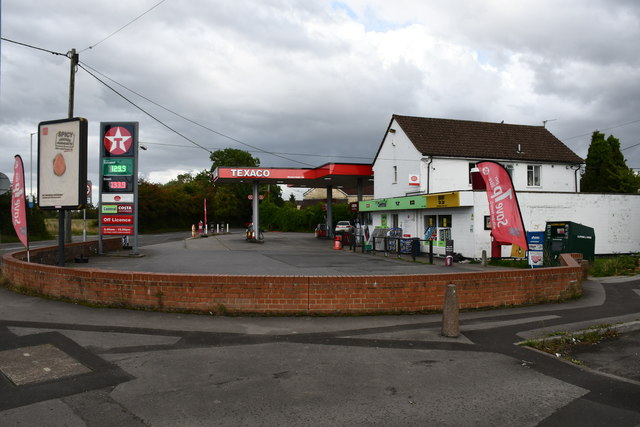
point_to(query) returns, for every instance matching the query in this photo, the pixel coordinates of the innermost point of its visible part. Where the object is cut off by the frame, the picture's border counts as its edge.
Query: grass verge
(564, 344)
(77, 226)
(622, 265)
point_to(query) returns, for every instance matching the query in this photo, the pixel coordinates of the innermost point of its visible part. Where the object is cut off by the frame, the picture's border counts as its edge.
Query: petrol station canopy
(334, 174)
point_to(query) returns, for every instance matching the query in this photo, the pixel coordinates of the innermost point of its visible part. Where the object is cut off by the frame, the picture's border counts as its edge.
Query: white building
(422, 180)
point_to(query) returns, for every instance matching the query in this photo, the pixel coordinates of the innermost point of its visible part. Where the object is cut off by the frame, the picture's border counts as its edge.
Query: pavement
(66, 364)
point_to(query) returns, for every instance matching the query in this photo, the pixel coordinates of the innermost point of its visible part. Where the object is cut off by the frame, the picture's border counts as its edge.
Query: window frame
(534, 175)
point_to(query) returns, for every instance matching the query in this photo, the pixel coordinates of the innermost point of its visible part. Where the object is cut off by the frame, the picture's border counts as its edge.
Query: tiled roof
(481, 140)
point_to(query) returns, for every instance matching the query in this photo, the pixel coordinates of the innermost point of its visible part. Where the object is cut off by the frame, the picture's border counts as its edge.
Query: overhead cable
(601, 130)
(193, 121)
(144, 111)
(123, 27)
(34, 47)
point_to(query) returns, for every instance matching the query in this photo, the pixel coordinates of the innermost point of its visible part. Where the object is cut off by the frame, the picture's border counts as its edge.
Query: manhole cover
(35, 364)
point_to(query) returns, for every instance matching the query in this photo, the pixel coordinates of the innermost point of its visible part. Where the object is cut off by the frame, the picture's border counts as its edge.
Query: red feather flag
(18, 202)
(506, 221)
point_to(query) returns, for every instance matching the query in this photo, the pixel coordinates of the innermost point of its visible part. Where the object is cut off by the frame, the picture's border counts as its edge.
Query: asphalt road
(65, 364)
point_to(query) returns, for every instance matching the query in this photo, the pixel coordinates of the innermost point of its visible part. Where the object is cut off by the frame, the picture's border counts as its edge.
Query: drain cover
(39, 363)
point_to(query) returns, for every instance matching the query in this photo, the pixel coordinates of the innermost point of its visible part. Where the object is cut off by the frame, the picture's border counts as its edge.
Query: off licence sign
(117, 219)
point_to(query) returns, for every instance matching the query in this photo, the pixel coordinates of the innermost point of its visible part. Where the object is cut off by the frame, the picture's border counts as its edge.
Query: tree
(35, 221)
(232, 157)
(606, 169)
(233, 206)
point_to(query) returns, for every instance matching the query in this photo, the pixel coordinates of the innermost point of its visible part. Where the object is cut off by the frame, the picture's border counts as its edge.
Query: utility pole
(74, 57)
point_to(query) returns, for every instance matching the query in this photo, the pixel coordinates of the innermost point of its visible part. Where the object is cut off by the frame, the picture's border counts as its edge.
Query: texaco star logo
(117, 140)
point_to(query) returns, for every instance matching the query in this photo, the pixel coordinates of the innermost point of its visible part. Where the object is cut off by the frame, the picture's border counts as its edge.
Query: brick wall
(294, 294)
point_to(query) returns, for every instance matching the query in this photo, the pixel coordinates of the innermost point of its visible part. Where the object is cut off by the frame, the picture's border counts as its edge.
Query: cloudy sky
(315, 81)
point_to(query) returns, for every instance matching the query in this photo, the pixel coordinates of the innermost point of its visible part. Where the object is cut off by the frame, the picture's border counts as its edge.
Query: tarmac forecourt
(69, 364)
(140, 368)
(292, 273)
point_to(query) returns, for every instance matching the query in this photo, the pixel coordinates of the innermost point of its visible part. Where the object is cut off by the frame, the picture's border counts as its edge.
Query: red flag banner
(18, 202)
(205, 216)
(504, 211)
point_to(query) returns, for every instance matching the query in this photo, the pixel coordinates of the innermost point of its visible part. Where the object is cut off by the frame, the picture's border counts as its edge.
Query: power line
(84, 66)
(144, 111)
(34, 47)
(599, 130)
(124, 26)
(193, 121)
(631, 146)
(273, 152)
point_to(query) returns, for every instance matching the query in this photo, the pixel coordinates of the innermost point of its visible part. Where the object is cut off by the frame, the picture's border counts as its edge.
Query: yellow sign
(443, 200)
(517, 251)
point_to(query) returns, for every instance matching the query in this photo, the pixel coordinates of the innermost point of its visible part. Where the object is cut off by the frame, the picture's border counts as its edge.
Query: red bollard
(337, 243)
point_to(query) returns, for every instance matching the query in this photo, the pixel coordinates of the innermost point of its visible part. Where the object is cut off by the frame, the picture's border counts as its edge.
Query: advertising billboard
(62, 164)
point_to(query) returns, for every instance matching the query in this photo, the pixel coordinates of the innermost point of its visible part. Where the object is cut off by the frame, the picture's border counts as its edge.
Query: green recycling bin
(567, 237)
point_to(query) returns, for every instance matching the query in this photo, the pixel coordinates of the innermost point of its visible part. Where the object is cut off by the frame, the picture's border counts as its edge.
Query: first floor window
(533, 175)
(509, 169)
(471, 166)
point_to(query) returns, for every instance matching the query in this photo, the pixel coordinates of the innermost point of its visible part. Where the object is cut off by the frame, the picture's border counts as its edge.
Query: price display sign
(119, 181)
(117, 184)
(116, 167)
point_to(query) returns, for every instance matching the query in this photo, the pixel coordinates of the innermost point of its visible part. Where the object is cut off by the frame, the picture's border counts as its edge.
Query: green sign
(117, 166)
(394, 203)
(109, 209)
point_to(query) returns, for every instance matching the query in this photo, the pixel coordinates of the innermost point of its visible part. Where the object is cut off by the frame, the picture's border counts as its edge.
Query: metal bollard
(451, 313)
(431, 252)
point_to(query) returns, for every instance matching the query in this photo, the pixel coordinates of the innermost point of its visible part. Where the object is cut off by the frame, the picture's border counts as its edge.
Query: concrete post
(450, 313)
(484, 258)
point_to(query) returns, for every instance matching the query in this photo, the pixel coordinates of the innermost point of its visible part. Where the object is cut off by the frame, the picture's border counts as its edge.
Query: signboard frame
(118, 145)
(62, 164)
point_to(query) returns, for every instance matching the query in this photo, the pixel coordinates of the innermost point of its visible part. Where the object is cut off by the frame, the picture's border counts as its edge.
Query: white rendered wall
(397, 151)
(614, 217)
(449, 174)
(453, 175)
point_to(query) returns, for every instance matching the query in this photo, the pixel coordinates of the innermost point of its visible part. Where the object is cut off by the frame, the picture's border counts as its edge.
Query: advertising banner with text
(506, 221)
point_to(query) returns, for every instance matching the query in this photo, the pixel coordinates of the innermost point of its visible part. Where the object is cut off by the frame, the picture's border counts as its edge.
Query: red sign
(18, 203)
(117, 140)
(125, 209)
(117, 230)
(353, 206)
(504, 212)
(240, 173)
(117, 219)
(243, 173)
